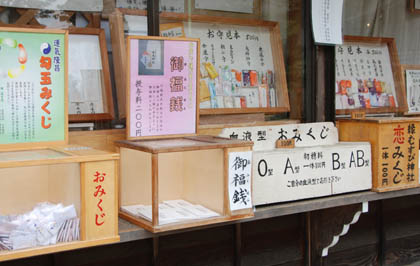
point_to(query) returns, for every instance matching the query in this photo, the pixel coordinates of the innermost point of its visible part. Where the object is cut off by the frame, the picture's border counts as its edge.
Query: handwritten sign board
(236, 61)
(412, 81)
(240, 196)
(395, 148)
(99, 199)
(33, 87)
(291, 174)
(162, 86)
(304, 135)
(398, 155)
(368, 76)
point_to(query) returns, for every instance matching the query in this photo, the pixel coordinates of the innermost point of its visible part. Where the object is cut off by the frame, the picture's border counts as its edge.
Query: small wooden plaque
(358, 115)
(285, 143)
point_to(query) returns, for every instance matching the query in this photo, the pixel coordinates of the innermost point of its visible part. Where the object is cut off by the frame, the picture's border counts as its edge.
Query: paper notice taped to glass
(326, 21)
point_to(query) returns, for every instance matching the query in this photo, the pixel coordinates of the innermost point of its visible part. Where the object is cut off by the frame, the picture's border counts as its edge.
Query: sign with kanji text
(368, 76)
(306, 172)
(162, 86)
(398, 155)
(240, 164)
(304, 135)
(33, 86)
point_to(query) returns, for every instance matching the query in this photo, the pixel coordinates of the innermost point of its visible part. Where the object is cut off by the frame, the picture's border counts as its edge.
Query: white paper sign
(364, 76)
(293, 174)
(241, 6)
(135, 25)
(412, 78)
(85, 76)
(326, 21)
(305, 135)
(240, 180)
(173, 32)
(240, 47)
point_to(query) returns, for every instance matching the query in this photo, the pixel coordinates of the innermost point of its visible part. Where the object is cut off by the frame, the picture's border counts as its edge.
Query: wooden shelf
(130, 232)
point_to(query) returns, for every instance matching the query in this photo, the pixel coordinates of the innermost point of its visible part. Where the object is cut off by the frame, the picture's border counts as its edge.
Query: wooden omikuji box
(395, 149)
(193, 169)
(62, 174)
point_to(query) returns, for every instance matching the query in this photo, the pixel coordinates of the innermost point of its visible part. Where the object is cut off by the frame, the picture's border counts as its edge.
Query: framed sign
(414, 6)
(242, 67)
(90, 94)
(33, 87)
(162, 82)
(411, 74)
(368, 76)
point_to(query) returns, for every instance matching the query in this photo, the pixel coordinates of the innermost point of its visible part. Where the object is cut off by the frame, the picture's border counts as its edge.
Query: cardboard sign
(33, 86)
(304, 135)
(291, 174)
(162, 86)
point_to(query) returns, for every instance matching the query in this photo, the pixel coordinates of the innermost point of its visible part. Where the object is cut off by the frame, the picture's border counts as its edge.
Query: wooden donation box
(395, 149)
(176, 183)
(312, 164)
(53, 196)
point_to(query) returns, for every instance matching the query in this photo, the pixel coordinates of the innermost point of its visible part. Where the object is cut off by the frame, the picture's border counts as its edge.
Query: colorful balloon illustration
(22, 58)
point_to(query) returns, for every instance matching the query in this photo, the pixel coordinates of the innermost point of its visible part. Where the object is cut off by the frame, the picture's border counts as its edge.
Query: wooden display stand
(395, 149)
(194, 169)
(63, 174)
(36, 164)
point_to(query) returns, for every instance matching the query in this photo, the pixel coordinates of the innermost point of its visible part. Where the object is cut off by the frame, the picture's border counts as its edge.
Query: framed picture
(414, 6)
(90, 92)
(411, 81)
(368, 76)
(251, 50)
(33, 87)
(162, 81)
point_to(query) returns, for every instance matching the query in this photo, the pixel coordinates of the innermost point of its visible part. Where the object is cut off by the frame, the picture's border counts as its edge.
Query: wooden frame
(36, 175)
(65, 126)
(412, 7)
(151, 172)
(117, 33)
(128, 86)
(107, 99)
(396, 71)
(403, 70)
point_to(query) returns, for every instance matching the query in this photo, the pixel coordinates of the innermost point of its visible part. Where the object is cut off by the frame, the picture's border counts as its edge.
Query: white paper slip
(326, 21)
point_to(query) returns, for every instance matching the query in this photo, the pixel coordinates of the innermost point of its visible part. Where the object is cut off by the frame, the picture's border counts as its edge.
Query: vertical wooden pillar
(295, 60)
(238, 244)
(153, 17)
